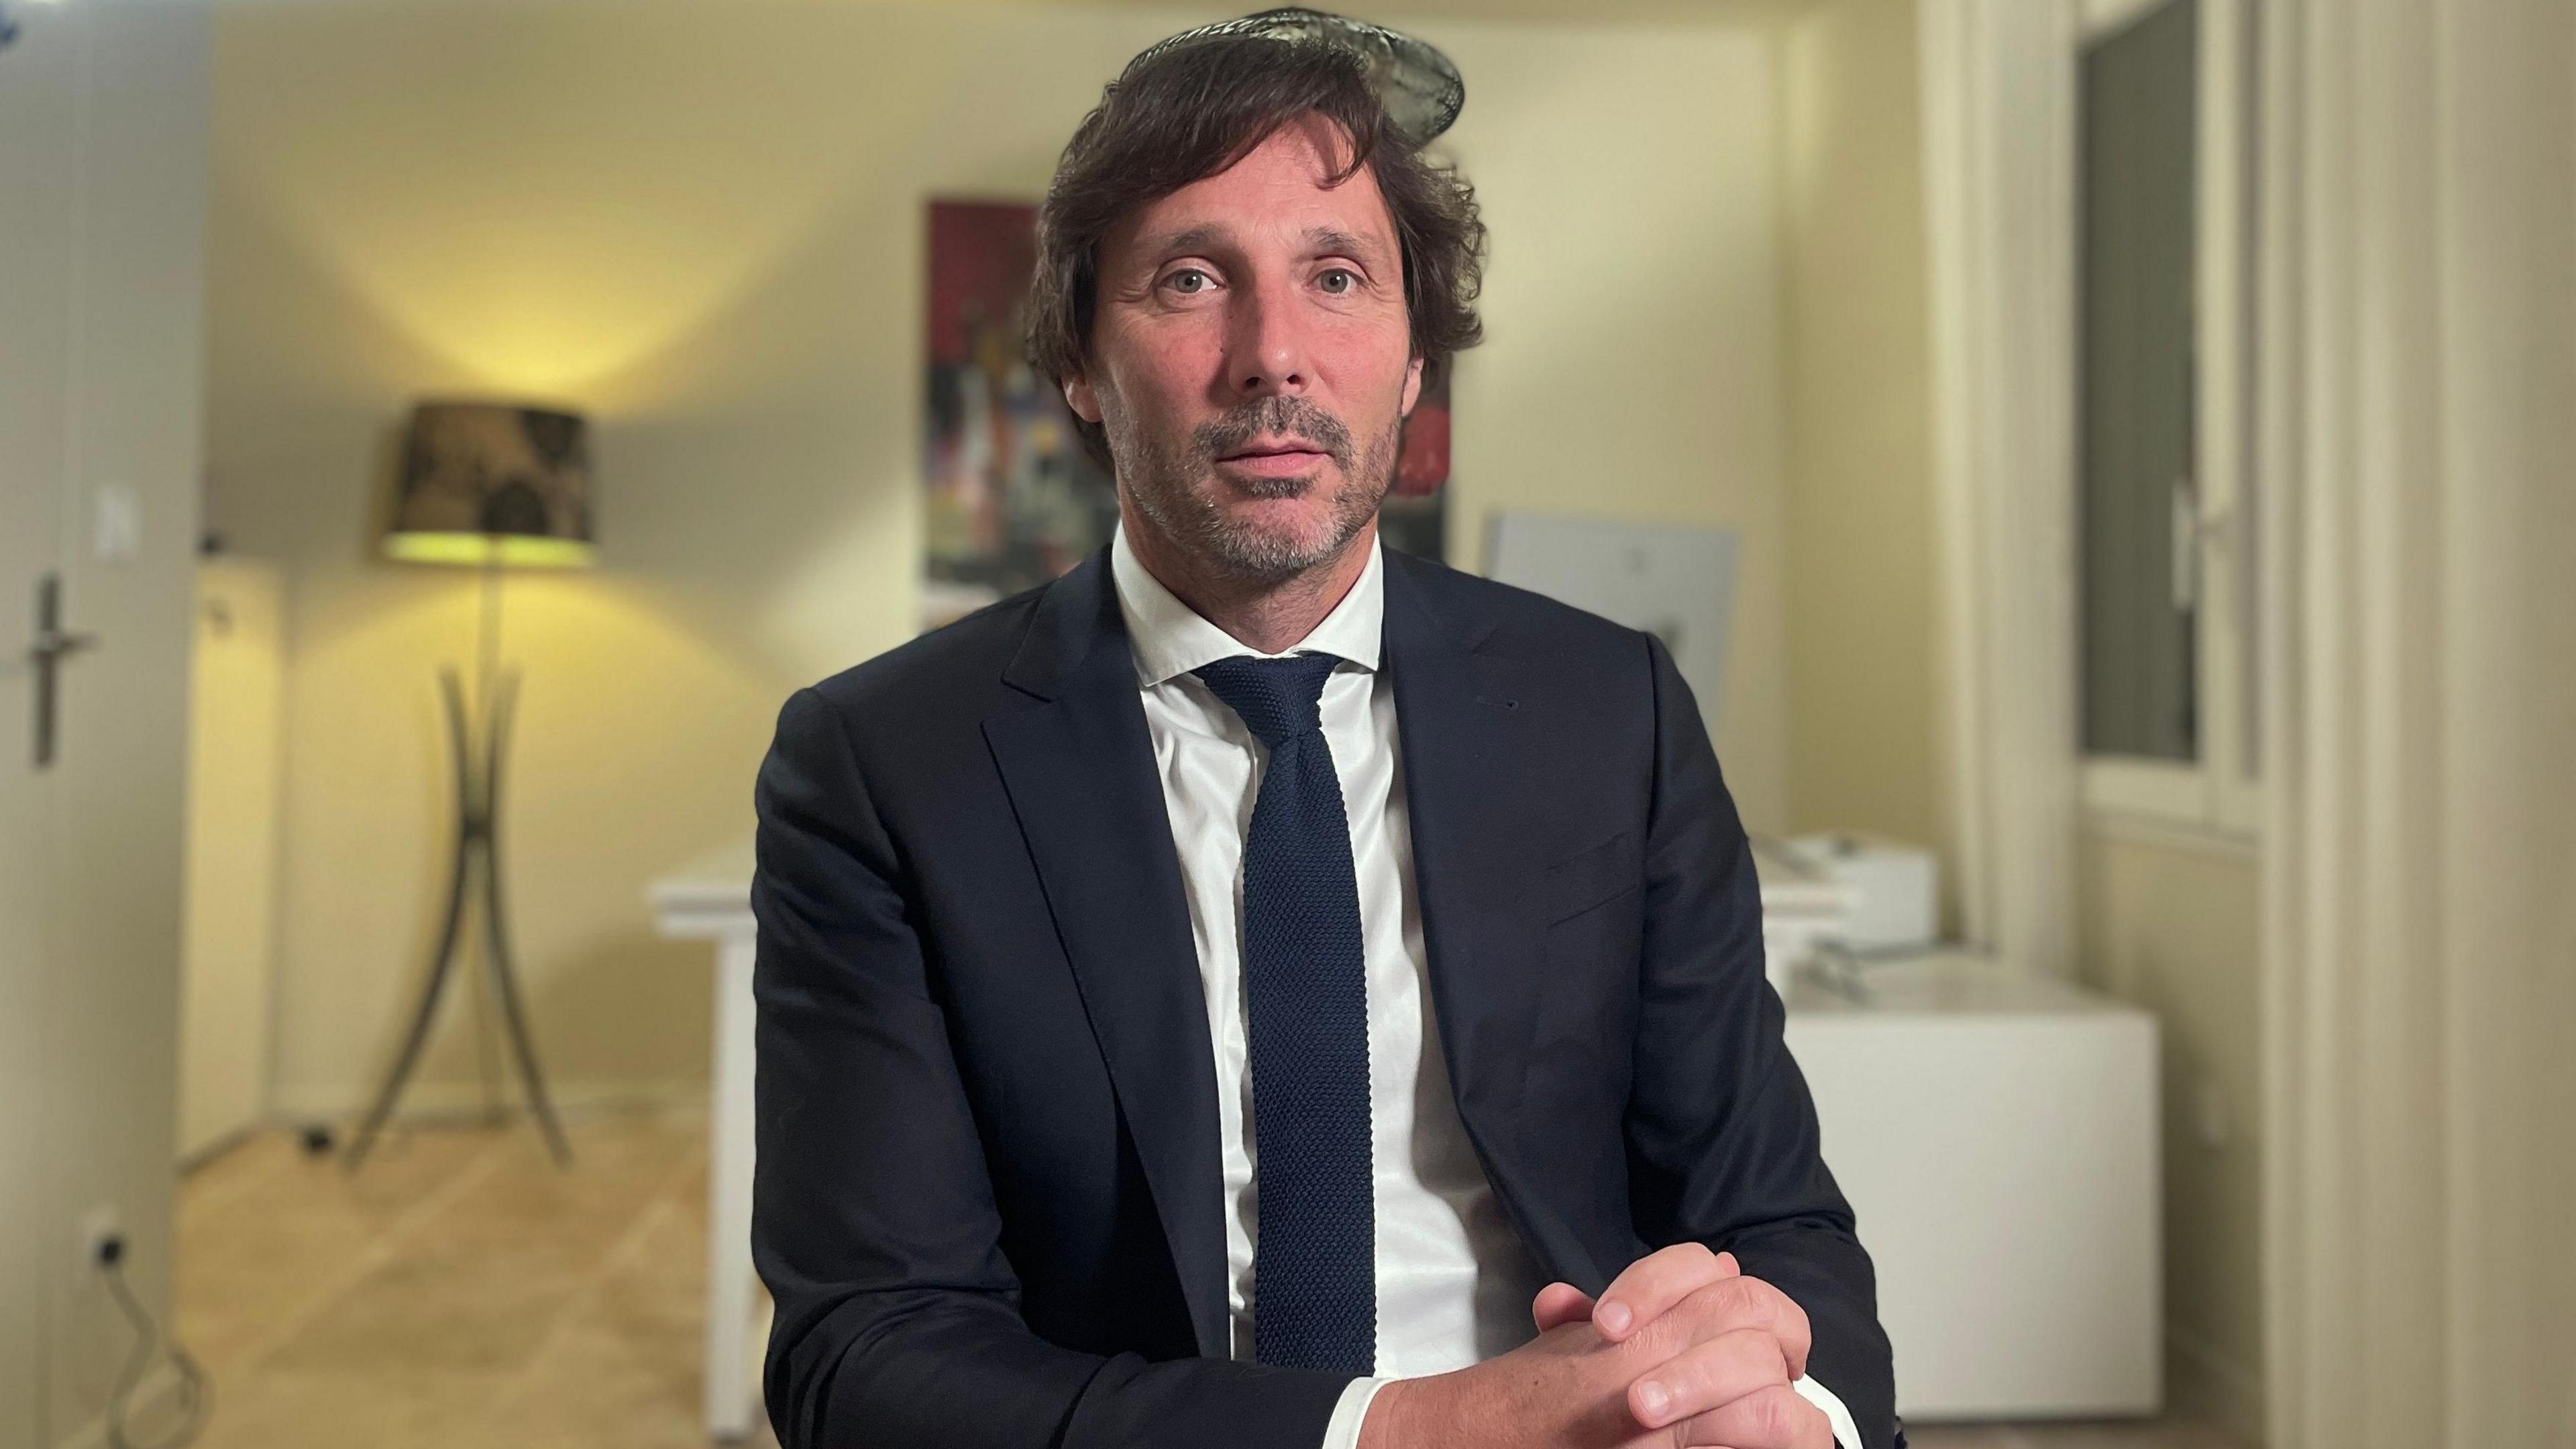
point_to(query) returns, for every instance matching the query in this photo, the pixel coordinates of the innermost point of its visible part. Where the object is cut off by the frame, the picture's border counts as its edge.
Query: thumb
(1559, 1304)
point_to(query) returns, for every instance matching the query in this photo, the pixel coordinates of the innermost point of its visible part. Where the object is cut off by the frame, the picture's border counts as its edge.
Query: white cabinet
(1996, 1134)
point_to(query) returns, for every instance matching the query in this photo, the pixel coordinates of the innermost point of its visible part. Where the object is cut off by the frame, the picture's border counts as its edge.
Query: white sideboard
(1996, 1134)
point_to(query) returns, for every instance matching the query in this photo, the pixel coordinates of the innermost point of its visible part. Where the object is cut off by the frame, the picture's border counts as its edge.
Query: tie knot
(1275, 698)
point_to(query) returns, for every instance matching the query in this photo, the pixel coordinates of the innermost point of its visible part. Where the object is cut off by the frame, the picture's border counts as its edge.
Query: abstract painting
(1013, 499)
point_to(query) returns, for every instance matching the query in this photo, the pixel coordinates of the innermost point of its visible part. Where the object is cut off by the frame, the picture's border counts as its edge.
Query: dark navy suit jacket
(988, 1201)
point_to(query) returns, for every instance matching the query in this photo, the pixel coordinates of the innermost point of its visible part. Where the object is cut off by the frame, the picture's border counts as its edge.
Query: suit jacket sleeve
(873, 1219)
(1722, 1139)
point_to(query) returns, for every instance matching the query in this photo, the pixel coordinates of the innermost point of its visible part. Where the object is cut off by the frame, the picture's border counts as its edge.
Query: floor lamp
(492, 486)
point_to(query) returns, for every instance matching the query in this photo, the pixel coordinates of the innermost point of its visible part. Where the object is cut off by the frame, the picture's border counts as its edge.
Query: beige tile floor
(460, 1291)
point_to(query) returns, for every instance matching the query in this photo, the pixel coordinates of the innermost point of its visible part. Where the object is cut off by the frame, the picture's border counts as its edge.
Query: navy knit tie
(1314, 1268)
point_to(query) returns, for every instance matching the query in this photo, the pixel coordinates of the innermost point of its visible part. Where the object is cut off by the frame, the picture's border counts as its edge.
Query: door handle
(53, 645)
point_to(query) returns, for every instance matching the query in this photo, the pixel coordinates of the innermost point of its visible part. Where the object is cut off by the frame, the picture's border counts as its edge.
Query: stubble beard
(1176, 487)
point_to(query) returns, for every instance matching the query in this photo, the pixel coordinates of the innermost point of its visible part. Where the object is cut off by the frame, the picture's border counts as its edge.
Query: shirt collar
(1168, 638)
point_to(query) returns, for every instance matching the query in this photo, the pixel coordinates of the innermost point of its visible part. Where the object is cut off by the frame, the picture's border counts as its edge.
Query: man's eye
(1338, 281)
(1189, 281)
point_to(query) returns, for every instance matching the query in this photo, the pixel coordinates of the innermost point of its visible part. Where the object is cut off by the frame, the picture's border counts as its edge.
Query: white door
(103, 112)
(35, 239)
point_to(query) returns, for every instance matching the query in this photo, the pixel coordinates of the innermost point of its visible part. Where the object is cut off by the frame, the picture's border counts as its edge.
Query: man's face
(1250, 358)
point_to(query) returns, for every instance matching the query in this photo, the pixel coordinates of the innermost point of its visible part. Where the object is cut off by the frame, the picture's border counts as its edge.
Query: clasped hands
(1682, 1349)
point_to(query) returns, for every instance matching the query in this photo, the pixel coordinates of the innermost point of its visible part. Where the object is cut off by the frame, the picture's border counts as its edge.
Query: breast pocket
(1593, 877)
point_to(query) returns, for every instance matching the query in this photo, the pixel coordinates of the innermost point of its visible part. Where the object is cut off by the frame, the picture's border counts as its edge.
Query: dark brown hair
(1193, 111)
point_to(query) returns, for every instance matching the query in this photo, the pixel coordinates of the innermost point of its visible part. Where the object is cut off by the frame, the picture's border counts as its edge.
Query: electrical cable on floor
(196, 1395)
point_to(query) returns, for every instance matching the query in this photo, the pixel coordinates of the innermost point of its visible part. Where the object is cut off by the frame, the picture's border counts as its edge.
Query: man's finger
(1654, 1283)
(1707, 1376)
(1559, 1304)
(1733, 1303)
(1775, 1417)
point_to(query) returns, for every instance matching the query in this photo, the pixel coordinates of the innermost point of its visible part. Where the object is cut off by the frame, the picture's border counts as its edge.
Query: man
(1261, 989)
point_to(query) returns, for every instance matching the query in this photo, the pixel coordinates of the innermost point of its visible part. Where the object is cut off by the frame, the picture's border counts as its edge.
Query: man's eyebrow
(1205, 237)
(1332, 239)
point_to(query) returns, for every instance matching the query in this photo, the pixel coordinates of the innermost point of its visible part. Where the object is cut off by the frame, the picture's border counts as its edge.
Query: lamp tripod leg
(413, 1039)
(505, 977)
(470, 826)
(506, 986)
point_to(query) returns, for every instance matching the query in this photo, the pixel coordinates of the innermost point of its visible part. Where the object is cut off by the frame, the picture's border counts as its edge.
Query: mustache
(1276, 415)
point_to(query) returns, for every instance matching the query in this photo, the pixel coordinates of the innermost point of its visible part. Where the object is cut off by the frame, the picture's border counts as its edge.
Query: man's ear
(1412, 386)
(1079, 396)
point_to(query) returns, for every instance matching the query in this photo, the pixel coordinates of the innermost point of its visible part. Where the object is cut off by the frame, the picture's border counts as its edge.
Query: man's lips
(1275, 459)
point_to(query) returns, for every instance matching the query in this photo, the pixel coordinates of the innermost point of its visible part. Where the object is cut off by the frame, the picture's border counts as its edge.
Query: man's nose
(1266, 345)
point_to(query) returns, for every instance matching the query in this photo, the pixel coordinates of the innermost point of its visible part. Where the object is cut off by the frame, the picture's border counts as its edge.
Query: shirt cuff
(1343, 1431)
(1846, 1433)
(1351, 1411)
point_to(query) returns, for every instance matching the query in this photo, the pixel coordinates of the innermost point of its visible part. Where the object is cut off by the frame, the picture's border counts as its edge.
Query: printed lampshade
(493, 483)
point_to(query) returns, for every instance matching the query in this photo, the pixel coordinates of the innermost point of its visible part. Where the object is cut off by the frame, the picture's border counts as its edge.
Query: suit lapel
(1079, 766)
(1469, 732)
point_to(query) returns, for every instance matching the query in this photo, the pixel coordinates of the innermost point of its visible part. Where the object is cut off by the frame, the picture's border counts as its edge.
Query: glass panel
(2135, 507)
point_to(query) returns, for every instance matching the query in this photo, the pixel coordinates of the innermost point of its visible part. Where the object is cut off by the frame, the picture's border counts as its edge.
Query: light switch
(116, 527)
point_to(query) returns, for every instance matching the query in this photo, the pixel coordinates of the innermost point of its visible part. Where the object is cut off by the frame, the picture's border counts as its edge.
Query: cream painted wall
(1632, 367)
(2175, 927)
(1862, 618)
(703, 226)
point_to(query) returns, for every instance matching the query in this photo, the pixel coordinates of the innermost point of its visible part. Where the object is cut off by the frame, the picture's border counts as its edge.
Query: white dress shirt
(1453, 1281)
